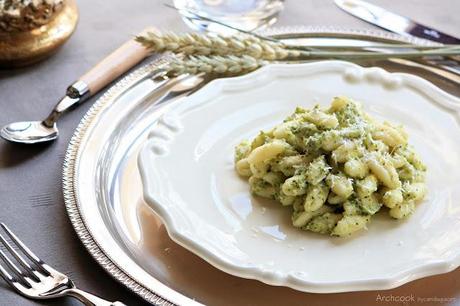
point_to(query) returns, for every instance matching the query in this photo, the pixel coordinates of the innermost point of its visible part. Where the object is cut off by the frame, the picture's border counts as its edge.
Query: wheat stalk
(204, 44)
(228, 65)
(242, 53)
(243, 44)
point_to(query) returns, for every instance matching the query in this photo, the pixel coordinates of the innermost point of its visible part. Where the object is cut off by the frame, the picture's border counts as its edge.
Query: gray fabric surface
(31, 201)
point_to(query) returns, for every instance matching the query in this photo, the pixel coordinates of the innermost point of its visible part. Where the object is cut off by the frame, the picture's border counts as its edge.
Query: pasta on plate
(335, 167)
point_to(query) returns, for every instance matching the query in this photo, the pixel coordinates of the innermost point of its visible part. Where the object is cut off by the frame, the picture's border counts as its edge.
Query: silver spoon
(111, 67)
(46, 130)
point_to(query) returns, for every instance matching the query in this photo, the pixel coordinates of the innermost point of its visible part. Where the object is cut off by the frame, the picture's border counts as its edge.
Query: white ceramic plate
(189, 180)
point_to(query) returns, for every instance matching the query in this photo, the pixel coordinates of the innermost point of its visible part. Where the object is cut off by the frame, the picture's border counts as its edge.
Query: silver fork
(37, 280)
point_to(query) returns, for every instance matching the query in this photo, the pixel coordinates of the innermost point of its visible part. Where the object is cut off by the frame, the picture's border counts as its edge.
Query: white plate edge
(288, 279)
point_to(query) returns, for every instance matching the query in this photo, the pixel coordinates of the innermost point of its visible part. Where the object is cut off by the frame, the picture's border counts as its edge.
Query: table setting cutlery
(153, 150)
(393, 22)
(33, 278)
(402, 25)
(110, 68)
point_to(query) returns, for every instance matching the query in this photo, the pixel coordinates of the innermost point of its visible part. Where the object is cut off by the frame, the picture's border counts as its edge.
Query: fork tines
(11, 272)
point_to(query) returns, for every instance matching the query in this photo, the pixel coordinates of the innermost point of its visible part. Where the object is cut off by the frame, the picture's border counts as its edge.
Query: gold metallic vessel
(27, 47)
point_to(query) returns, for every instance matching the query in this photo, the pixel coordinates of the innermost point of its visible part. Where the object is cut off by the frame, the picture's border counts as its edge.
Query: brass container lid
(22, 45)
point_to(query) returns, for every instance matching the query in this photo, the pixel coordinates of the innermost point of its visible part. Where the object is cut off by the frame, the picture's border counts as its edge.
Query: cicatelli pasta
(334, 167)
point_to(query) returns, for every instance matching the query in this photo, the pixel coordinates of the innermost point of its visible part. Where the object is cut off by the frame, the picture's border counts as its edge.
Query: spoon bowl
(29, 132)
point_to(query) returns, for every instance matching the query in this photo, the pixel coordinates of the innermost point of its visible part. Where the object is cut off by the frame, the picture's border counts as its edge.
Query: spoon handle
(115, 64)
(107, 70)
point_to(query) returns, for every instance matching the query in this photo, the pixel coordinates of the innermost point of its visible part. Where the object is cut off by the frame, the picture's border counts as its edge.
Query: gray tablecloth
(31, 201)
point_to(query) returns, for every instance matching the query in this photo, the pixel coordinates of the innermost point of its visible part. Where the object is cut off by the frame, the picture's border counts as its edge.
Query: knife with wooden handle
(393, 22)
(404, 26)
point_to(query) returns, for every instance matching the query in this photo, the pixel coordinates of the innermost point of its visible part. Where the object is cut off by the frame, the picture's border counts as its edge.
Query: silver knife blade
(393, 22)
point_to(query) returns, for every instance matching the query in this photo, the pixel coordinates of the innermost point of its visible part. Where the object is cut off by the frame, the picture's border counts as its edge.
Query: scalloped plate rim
(423, 270)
